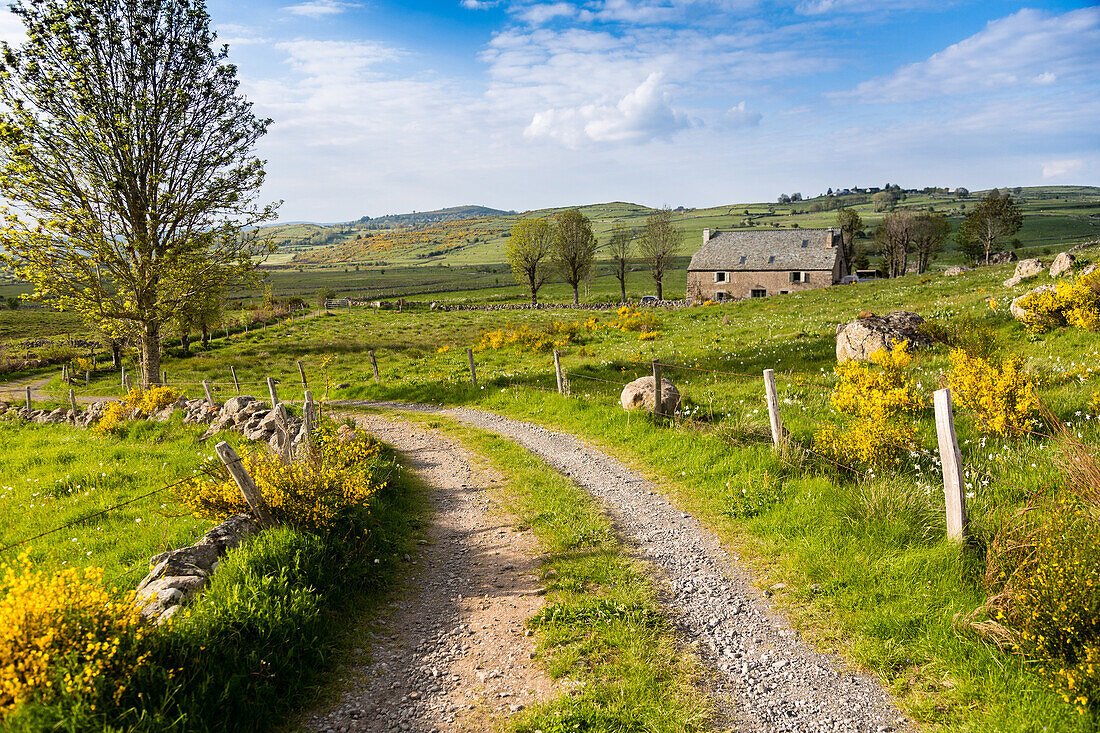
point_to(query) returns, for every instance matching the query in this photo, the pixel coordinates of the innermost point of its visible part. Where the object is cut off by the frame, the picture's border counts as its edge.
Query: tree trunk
(660, 291)
(185, 341)
(205, 336)
(576, 294)
(116, 355)
(622, 290)
(150, 354)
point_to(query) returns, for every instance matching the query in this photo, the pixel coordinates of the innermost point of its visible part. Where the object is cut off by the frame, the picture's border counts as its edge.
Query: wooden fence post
(164, 377)
(64, 373)
(302, 371)
(954, 490)
(282, 424)
(87, 377)
(658, 408)
(245, 483)
(473, 371)
(271, 391)
(557, 371)
(236, 384)
(28, 400)
(773, 406)
(307, 417)
(374, 366)
(72, 401)
(122, 379)
(206, 389)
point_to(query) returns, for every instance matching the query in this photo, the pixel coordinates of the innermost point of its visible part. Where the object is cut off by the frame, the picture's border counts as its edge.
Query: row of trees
(904, 234)
(567, 246)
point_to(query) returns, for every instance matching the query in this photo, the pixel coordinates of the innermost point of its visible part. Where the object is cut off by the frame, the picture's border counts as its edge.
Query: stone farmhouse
(759, 263)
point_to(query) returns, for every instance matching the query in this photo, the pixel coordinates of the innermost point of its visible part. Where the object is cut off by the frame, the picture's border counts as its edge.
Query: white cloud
(1027, 48)
(11, 28)
(542, 13)
(330, 61)
(824, 7)
(741, 116)
(644, 114)
(478, 4)
(1061, 168)
(239, 35)
(319, 8)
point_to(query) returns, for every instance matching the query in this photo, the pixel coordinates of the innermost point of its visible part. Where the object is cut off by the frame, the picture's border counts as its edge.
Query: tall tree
(929, 233)
(528, 251)
(128, 150)
(994, 218)
(658, 246)
(574, 248)
(620, 248)
(895, 237)
(850, 224)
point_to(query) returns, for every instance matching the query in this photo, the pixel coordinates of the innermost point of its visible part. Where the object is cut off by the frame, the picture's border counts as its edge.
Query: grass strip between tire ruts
(602, 632)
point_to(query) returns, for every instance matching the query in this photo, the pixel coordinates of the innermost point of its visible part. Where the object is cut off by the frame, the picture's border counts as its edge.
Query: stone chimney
(830, 241)
(706, 236)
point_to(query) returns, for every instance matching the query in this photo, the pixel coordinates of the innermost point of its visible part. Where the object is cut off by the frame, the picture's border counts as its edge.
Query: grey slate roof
(778, 249)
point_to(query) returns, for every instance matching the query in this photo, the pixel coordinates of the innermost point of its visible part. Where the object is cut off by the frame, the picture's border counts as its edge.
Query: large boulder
(1002, 258)
(956, 270)
(1025, 270)
(236, 404)
(1020, 313)
(641, 393)
(1062, 264)
(864, 336)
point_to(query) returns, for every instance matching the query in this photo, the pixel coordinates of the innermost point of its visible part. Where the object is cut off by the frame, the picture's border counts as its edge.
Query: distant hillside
(475, 235)
(454, 213)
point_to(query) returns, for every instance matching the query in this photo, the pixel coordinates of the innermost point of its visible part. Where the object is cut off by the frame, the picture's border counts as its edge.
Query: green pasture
(867, 569)
(55, 475)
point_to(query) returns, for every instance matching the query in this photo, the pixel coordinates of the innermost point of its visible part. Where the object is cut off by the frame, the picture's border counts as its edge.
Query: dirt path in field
(16, 390)
(761, 671)
(451, 654)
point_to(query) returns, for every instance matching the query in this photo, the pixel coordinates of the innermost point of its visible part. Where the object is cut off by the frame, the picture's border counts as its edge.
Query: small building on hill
(759, 263)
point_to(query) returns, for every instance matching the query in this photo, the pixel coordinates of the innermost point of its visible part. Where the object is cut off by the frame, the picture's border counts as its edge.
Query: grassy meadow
(867, 569)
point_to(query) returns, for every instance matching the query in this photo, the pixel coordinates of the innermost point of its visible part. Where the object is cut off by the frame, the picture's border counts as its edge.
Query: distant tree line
(566, 245)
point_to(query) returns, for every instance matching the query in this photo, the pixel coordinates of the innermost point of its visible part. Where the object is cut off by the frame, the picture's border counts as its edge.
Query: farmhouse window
(721, 295)
(800, 277)
(771, 259)
(805, 243)
(719, 277)
(758, 293)
(742, 259)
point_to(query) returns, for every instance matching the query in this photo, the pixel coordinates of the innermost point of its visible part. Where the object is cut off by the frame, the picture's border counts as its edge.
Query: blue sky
(385, 107)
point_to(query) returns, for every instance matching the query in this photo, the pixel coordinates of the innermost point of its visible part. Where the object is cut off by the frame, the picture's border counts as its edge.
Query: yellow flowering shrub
(1049, 602)
(148, 401)
(61, 633)
(554, 335)
(634, 319)
(648, 335)
(999, 394)
(1070, 303)
(310, 493)
(877, 394)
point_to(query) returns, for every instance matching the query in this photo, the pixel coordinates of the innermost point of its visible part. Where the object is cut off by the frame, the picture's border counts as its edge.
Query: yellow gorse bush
(877, 394)
(554, 335)
(62, 634)
(1051, 606)
(1071, 303)
(147, 401)
(999, 394)
(633, 319)
(309, 494)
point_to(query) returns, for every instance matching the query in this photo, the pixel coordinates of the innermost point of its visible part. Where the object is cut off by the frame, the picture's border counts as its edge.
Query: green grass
(602, 625)
(52, 475)
(283, 609)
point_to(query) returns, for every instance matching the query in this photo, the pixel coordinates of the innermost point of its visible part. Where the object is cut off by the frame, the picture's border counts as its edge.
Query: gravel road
(452, 653)
(764, 677)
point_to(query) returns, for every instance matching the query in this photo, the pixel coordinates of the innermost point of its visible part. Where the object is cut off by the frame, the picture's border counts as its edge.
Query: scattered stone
(1002, 258)
(1062, 264)
(864, 336)
(1025, 270)
(641, 393)
(1016, 310)
(956, 270)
